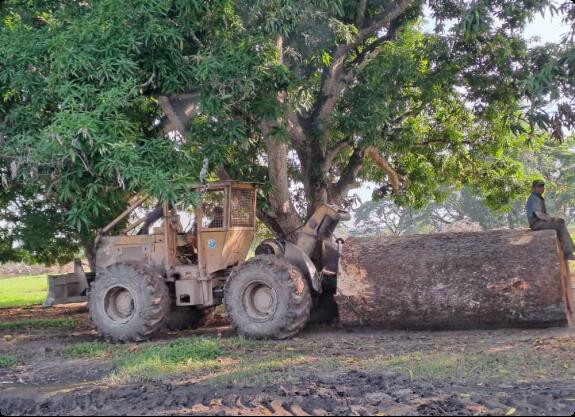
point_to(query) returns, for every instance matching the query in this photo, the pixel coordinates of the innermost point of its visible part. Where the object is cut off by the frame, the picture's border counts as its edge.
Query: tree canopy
(103, 99)
(553, 161)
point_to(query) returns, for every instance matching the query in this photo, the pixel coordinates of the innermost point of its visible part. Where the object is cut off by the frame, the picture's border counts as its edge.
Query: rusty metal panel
(65, 289)
(189, 293)
(114, 249)
(211, 248)
(189, 289)
(237, 246)
(242, 208)
(171, 239)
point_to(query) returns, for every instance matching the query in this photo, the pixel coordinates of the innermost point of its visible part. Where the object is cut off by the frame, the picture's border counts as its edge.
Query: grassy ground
(38, 324)
(23, 291)
(238, 361)
(8, 361)
(157, 361)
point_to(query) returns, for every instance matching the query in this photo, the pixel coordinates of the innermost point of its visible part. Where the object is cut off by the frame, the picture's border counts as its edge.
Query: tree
(552, 160)
(342, 92)
(80, 127)
(101, 100)
(381, 217)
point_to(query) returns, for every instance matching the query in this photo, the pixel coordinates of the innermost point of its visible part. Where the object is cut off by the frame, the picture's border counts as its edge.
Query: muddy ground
(325, 371)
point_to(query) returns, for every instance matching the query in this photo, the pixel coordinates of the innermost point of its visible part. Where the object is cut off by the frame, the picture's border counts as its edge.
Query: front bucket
(66, 289)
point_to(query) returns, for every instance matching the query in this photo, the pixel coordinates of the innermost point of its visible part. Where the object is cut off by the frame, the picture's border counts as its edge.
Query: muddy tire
(187, 318)
(128, 302)
(267, 298)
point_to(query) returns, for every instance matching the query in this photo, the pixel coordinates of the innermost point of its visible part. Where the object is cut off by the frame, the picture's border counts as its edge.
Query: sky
(548, 28)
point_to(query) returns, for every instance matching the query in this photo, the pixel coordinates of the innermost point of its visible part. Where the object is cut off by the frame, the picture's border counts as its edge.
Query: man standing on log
(539, 219)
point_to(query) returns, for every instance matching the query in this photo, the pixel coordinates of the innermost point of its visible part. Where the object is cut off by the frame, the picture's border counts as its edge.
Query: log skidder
(149, 278)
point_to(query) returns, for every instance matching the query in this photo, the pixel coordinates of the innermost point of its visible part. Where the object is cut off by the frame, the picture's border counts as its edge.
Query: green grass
(198, 356)
(91, 350)
(38, 324)
(238, 361)
(8, 361)
(509, 365)
(215, 360)
(240, 343)
(156, 362)
(253, 372)
(23, 291)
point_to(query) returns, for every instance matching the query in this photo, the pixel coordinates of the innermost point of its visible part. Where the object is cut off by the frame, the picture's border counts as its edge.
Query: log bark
(504, 278)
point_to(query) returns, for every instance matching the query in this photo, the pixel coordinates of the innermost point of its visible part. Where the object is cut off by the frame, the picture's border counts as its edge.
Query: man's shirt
(536, 203)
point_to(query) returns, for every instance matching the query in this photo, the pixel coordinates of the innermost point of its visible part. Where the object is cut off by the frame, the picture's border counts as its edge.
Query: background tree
(552, 160)
(344, 92)
(104, 99)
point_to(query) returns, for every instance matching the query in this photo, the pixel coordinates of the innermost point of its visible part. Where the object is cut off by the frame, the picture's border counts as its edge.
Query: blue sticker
(212, 244)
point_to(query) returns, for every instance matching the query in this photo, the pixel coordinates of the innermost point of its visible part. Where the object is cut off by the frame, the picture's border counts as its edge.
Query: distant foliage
(553, 161)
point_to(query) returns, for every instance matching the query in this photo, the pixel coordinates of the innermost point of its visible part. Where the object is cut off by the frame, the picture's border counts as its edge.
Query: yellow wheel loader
(172, 276)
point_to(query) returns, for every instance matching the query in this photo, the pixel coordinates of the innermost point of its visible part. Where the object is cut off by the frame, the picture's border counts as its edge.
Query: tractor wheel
(267, 298)
(128, 302)
(188, 318)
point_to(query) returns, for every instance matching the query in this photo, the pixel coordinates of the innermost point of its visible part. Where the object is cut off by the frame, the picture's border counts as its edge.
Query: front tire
(267, 298)
(128, 302)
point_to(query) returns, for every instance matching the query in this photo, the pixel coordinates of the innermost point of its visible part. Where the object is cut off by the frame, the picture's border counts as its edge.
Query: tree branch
(372, 50)
(395, 9)
(298, 135)
(335, 78)
(178, 110)
(361, 9)
(332, 153)
(347, 180)
(394, 180)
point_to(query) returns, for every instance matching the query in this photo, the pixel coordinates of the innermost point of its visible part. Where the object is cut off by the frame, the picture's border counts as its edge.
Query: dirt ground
(325, 371)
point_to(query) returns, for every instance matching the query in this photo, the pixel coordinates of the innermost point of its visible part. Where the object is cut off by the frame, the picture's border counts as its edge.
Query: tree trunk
(282, 211)
(90, 254)
(505, 278)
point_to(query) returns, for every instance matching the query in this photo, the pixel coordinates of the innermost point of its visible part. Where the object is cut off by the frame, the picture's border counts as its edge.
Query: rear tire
(128, 302)
(267, 298)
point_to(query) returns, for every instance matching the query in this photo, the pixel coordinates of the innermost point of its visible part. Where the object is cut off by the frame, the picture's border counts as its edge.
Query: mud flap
(68, 288)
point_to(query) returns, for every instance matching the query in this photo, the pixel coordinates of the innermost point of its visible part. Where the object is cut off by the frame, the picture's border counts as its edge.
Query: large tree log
(492, 279)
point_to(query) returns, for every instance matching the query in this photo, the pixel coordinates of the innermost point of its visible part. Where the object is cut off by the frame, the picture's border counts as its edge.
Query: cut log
(503, 278)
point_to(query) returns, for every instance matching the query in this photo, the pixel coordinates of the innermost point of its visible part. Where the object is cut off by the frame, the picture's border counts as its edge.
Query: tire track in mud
(352, 393)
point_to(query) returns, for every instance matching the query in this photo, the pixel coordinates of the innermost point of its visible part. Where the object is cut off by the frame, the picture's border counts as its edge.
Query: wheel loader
(156, 273)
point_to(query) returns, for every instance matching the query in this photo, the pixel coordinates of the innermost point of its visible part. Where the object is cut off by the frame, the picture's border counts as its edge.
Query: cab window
(213, 210)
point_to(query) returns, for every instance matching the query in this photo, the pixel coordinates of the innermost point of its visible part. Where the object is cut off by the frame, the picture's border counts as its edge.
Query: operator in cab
(539, 219)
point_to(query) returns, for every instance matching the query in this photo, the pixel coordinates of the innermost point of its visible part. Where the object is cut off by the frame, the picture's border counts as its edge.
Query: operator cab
(194, 247)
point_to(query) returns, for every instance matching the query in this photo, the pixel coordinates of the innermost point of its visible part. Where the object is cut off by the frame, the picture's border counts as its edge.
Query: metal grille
(243, 208)
(213, 209)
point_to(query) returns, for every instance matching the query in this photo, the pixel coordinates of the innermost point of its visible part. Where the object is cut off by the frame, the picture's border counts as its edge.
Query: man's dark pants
(561, 228)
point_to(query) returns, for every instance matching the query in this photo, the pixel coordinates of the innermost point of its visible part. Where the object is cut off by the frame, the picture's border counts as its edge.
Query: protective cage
(242, 208)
